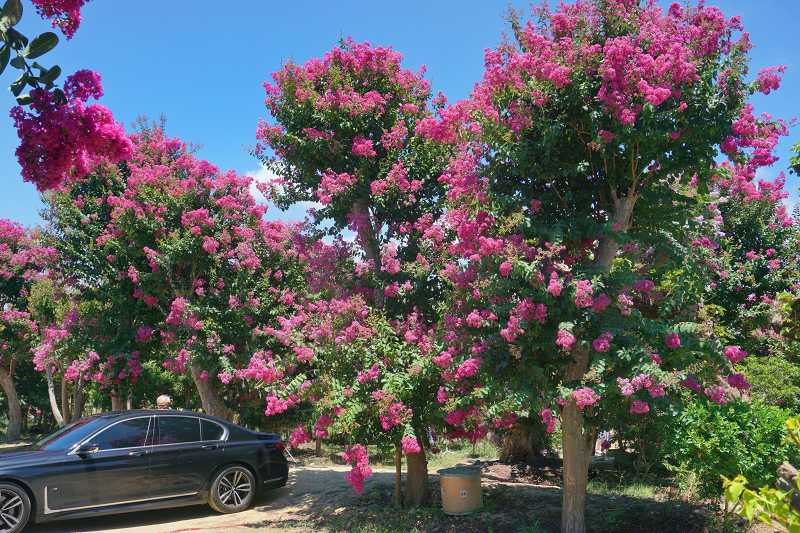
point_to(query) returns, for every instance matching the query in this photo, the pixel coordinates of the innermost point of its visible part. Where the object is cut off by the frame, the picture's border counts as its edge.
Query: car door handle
(137, 453)
(210, 446)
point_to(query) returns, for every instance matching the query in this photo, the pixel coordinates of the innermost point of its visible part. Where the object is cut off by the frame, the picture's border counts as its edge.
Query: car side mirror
(87, 448)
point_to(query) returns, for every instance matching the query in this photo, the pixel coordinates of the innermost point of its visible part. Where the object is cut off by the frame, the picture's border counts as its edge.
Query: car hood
(25, 455)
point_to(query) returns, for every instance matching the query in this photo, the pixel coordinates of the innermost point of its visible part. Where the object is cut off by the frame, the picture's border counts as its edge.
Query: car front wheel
(15, 508)
(233, 490)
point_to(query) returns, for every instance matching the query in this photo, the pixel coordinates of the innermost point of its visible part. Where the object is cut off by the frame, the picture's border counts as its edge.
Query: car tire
(233, 490)
(15, 508)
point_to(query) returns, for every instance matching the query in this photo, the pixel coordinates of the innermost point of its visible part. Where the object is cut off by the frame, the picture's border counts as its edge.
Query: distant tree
(23, 261)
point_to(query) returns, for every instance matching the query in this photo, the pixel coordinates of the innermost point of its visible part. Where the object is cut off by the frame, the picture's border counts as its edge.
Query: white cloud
(295, 213)
(791, 202)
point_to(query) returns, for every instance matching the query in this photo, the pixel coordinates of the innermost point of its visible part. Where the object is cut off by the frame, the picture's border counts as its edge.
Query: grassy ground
(452, 454)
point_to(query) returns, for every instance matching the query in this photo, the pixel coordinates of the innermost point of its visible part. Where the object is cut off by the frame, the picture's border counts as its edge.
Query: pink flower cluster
(65, 14)
(395, 414)
(320, 429)
(734, 353)
(672, 341)
(549, 419)
(371, 374)
(565, 340)
(641, 382)
(769, 78)
(332, 184)
(298, 436)
(60, 142)
(468, 368)
(358, 457)
(639, 407)
(585, 397)
(583, 293)
(410, 445)
(603, 342)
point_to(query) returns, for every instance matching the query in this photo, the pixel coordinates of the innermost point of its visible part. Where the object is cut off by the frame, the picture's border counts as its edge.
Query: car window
(69, 435)
(177, 429)
(127, 434)
(212, 430)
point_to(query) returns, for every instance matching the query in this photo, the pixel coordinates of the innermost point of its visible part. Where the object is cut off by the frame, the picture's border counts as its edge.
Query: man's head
(163, 402)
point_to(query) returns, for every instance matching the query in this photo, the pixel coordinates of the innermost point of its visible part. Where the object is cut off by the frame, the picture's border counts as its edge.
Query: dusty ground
(287, 507)
(318, 499)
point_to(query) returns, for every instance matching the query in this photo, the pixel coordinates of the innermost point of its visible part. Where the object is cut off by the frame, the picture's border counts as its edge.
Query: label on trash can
(463, 493)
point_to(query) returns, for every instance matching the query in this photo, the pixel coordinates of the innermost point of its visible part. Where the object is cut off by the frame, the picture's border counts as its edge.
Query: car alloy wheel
(233, 490)
(14, 508)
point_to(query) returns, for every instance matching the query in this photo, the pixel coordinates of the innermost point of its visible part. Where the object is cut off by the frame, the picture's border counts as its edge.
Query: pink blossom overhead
(65, 14)
(63, 142)
(769, 78)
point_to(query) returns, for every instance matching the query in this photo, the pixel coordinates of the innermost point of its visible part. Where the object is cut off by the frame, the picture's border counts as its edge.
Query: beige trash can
(461, 489)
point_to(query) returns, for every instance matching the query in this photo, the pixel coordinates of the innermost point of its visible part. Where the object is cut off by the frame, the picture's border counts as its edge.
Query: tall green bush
(709, 441)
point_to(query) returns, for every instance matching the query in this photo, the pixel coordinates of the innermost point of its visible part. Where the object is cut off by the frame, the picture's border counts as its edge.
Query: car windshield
(69, 435)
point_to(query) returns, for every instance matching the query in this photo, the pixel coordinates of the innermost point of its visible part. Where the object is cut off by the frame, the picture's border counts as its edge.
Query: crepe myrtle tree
(178, 256)
(754, 261)
(342, 134)
(583, 154)
(94, 315)
(370, 380)
(23, 261)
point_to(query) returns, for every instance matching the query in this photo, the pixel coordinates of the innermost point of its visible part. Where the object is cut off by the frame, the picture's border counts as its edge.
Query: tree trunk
(575, 440)
(524, 441)
(398, 476)
(576, 469)
(369, 242)
(78, 400)
(65, 410)
(51, 393)
(417, 490)
(117, 401)
(14, 408)
(129, 401)
(318, 447)
(209, 397)
(623, 211)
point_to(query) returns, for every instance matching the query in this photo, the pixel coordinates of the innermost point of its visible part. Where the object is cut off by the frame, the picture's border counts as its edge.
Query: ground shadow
(319, 499)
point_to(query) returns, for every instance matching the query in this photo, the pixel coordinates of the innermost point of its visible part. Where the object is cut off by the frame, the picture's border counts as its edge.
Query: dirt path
(281, 510)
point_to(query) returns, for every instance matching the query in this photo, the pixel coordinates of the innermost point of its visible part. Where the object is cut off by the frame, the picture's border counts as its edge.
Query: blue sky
(201, 63)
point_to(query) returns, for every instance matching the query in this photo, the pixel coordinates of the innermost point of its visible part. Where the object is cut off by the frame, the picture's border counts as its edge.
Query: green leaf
(24, 99)
(18, 62)
(59, 97)
(41, 45)
(16, 38)
(49, 76)
(10, 15)
(5, 55)
(19, 84)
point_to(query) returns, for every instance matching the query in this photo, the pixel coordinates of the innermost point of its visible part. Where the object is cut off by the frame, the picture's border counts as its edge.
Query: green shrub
(706, 441)
(775, 380)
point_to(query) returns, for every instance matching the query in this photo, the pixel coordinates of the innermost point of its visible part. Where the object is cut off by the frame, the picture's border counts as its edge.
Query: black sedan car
(137, 460)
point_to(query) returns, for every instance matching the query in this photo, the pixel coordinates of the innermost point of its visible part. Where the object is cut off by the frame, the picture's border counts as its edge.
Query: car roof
(132, 413)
